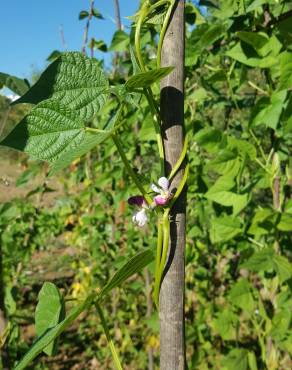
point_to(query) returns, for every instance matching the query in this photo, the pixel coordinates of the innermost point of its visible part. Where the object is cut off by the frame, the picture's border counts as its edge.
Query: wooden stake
(172, 342)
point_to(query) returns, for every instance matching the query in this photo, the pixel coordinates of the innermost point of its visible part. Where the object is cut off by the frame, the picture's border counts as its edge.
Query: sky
(30, 30)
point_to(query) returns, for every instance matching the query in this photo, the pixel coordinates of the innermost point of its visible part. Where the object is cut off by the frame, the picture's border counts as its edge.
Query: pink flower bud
(160, 200)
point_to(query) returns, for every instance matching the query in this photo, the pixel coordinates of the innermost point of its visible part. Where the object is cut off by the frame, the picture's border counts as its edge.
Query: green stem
(156, 118)
(109, 339)
(180, 160)
(161, 265)
(158, 259)
(148, 92)
(143, 14)
(130, 169)
(163, 31)
(257, 88)
(259, 145)
(95, 130)
(180, 186)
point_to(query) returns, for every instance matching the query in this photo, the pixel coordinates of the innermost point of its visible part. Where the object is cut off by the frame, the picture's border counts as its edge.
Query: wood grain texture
(172, 342)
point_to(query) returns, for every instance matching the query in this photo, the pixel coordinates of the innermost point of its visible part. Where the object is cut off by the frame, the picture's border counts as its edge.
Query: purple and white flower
(140, 217)
(164, 195)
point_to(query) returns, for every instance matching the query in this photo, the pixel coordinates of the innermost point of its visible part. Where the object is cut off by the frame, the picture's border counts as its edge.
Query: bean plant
(238, 147)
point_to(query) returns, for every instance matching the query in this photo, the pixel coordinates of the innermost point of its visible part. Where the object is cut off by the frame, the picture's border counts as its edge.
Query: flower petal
(163, 183)
(137, 200)
(140, 218)
(160, 200)
(155, 188)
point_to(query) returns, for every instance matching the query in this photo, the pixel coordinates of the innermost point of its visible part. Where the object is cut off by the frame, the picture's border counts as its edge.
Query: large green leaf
(209, 138)
(268, 111)
(247, 55)
(261, 42)
(260, 261)
(88, 142)
(225, 162)
(241, 295)
(255, 39)
(90, 139)
(76, 81)
(120, 41)
(221, 194)
(228, 199)
(145, 79)
(47, 132)
(224, 228)
(50, 310)
(15, 84)
(134, 265)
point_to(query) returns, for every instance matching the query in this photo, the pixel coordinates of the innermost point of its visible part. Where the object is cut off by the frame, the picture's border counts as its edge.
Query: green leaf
(243, 147)
(49, 312)
(255, 39)
(285, 81)
(97, 14)
(260, 261)
(83, 14)
(282, 267)
(255, 5)
(47, 132)
(285, 223)
(135, 64)
(120, 41)
(236, 359)
(9, 212)
(228, 199)
(252, 361)
(246, 55)
(88, 142)
(262, 222)
(224, 228)
(281, 324)
(193, 15)
(225, 324)
(241, 296)
(209, 138)
(261, 43)
(220, 194)
(15, 84)
(156, 17)
(76, 81)
(52, 334)
(98, 45)
(134, 265)
(54, 55)
(212, 34)
(268, 112)
(145, 79)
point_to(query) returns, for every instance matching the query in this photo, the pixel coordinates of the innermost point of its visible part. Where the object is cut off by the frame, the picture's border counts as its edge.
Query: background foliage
(75, 230)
